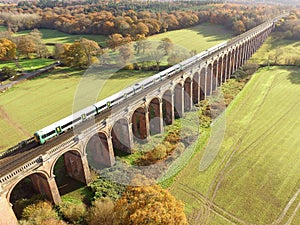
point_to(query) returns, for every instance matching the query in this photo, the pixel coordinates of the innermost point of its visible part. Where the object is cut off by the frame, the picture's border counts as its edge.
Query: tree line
(97, 19)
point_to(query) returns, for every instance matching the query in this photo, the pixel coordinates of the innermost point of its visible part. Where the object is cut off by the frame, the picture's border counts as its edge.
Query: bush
(159, 152)
(104, 188)
(6, 73)
(102, 212)
(39, 212)
(74, 213)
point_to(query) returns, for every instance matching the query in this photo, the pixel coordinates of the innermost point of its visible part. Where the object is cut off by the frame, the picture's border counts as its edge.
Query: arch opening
(98, 153)
(121, 137)
(154, 116)
(196, 88)
(178, 101)
(187, 94)
(139, 124)
(167, 108)
(202, 84)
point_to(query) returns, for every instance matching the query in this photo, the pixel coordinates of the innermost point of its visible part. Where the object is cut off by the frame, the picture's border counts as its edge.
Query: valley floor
(254, 178)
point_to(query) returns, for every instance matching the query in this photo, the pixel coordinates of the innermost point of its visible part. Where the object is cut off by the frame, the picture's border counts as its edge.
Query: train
(65, 124)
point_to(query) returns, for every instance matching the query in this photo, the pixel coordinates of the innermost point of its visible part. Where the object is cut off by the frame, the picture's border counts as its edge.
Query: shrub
(39, 212)
(74, 213)
(159, 152)
(102, 212)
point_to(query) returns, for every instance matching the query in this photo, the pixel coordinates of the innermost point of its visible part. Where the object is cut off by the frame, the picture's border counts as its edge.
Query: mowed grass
(36, 103)
(256, 172)
(285, 49)
(54, 36)
(28, 64)
(199, 38)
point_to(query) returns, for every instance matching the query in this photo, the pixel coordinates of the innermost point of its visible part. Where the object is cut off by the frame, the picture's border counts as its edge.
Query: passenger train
(79, 117)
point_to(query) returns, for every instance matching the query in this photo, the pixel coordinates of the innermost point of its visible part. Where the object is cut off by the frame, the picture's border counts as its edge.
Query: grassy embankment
(255, 174)
(39, 102)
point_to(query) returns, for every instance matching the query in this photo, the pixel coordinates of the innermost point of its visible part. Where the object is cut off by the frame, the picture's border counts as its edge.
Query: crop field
(199, 38)
(37, 103)
(254, 179)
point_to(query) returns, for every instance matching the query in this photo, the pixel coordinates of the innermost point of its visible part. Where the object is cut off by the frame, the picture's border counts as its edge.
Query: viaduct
(142, 116)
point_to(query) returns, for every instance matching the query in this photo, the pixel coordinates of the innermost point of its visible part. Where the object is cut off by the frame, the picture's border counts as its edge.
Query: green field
(199, 38)
(28, 64)
(255, 176)
(37, 103)
(285, 49)
(54, 36)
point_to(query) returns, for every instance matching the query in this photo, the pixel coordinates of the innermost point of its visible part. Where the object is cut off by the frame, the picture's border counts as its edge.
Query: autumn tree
(90, 48)
(157, 57)
(239, 27)
(149, 205)
(7, 49)
(79, 54)
(115, 40)
(26, 46)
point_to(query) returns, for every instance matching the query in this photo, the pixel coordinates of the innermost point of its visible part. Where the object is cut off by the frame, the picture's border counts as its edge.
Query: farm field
(255, 177)
(37, 103)
(199, 38)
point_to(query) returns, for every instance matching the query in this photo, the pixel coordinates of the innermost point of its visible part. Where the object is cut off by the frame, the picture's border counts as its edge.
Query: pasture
(37, 103)
(284, 50)
(254, 179)
(199, 38)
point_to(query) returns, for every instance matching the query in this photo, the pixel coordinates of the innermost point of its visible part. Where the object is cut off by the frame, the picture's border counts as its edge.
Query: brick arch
(98, 150)
(187, 94)
(167, 107)
(220, 71)
(208, 78)
(140, 126)
(202, 83)
(38, 188)
(215, 74)
(120, 133)
(196, 88)
(178, 100)
(155, 116)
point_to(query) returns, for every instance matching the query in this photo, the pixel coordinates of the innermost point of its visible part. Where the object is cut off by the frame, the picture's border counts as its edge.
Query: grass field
(28, 64)
(255, 177)
(286, 49)
(37, 103)
(199, 38)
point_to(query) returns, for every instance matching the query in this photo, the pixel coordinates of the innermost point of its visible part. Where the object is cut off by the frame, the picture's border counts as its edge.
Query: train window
(91, 112)
(48, 134)
(76, 120)
(58, 129)
(66, 125)
(83, 116)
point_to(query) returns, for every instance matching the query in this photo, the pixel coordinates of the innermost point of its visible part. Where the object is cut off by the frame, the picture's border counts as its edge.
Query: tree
(166, 45)
(7, 49)
(26, 45)
(41, 49)
(115, 40)
(239, 27)
(149, 205)
(90, 48)
(79, 54)
(126, 54)
(156, 56)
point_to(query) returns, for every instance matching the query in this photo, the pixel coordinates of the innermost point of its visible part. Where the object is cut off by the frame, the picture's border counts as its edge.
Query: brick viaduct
(141, 118)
